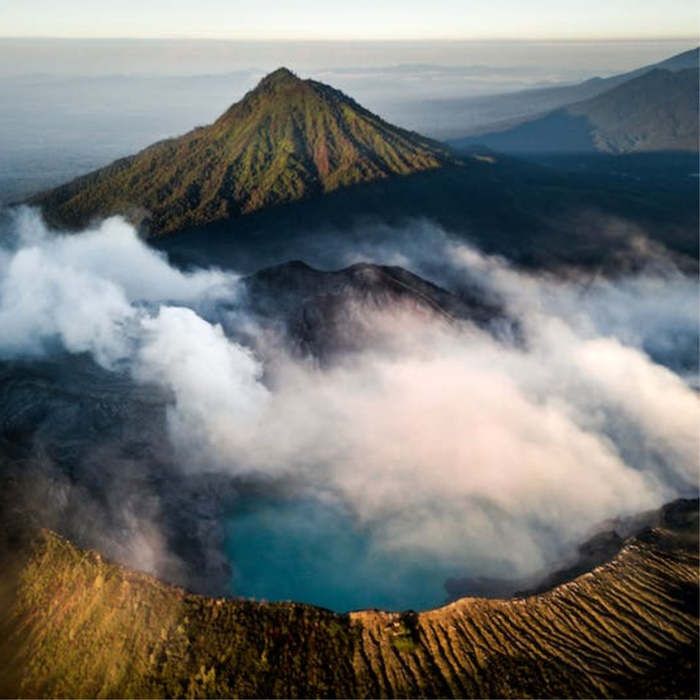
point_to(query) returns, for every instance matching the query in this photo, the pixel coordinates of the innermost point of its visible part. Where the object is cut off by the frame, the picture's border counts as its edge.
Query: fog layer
(490, 450)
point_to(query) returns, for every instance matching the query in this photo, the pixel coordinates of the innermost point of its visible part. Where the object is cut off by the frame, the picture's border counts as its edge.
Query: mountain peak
(287, 139)
(279, 78)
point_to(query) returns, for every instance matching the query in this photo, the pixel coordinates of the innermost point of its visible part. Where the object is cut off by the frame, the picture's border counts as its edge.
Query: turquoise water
(314, 552)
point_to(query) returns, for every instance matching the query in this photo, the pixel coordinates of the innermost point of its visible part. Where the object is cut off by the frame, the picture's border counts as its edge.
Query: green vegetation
(82, 627)
(405, 632)
(286, 140)
(74, 625)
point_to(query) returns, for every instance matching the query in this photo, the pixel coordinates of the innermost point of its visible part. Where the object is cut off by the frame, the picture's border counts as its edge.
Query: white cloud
(439, 436)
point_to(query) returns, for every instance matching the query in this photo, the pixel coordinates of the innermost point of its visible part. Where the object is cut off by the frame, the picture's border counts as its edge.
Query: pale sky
(352, 19)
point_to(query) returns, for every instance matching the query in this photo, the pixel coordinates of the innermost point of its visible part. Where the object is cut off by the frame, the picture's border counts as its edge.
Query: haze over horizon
(319, 20)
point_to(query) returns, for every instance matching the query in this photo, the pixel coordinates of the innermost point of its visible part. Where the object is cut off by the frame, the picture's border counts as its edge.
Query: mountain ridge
(626, 629)
(655, 110)
(503, 111)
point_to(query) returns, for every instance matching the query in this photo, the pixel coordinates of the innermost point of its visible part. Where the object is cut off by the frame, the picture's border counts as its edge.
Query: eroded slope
(75, 625)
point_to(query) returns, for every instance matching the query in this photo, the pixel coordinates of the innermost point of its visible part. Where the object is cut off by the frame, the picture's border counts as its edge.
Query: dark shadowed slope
(285, 140)
(75, 625)
(533, 215)
(657, 111)
(318, 310)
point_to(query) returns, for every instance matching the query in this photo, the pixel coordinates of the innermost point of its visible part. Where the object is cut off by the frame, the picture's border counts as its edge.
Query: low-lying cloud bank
(443, 439)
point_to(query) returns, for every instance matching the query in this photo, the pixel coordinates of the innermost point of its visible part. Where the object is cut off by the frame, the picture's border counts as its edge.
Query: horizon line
(357, 40)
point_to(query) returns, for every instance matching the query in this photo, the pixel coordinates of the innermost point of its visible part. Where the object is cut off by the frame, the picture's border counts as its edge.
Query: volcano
(286, 140)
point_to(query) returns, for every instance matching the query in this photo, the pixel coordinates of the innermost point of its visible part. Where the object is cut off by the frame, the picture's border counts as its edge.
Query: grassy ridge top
(74, 625)
(285, 140)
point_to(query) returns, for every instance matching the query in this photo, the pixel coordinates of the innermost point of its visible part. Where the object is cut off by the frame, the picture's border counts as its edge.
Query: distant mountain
(286, 140)
(654, 111)
(471, 116)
